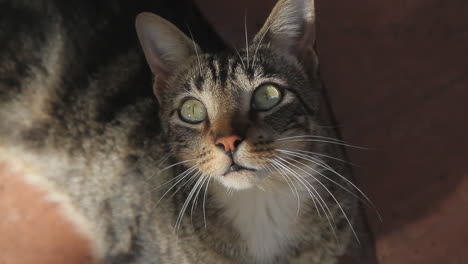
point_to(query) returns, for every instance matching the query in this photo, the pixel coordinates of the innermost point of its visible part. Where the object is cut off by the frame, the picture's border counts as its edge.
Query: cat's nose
(228, 143)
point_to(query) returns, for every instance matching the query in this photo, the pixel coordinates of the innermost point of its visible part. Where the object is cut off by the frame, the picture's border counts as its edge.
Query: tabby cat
(227, 163)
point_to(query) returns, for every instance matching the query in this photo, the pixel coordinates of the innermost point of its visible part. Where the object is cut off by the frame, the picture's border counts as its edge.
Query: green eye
(192, 111)
(266, 97)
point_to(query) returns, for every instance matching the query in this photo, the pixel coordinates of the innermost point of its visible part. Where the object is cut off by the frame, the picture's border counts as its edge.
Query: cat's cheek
(292, 144)
(215, 164)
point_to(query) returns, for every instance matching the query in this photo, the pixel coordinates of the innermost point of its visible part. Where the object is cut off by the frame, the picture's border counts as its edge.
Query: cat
(226, 163)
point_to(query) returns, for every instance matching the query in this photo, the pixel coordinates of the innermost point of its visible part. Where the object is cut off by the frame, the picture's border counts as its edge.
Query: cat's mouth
(236, 168)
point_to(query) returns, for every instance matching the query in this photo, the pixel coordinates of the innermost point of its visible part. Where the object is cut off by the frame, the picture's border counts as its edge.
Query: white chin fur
(243, 180)
(238, 180)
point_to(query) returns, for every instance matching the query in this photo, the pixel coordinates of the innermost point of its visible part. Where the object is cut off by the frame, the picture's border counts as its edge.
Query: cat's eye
(192, 111)
(266, 97)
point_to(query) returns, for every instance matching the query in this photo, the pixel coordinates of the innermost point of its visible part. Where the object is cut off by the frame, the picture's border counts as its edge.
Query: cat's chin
(242, 180)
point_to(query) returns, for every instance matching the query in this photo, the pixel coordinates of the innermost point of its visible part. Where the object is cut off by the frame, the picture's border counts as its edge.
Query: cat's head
(227, 115)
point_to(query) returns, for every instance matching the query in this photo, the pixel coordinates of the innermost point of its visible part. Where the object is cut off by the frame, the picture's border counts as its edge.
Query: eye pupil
(192, 111)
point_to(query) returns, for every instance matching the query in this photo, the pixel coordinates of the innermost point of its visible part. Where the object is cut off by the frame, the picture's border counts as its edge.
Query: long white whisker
(164, 158)
(320, 163)
(187, 201)
(204, 200)
(186, 173)
(333, 197)
(311, 159)
(291, 185)
(159, 162)
(175, 164)
(322, 202)
(324, 141)
(173, 179)
(189, 182)
(329, 179)
(195, 200)
(321, 155)
(246, 39)
(308, 187)
(259, 44)
(196, 50)
(241, 60)
(312, 136)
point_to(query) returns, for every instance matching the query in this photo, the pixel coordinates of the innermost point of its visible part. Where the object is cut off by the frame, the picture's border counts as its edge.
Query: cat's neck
(266, 220)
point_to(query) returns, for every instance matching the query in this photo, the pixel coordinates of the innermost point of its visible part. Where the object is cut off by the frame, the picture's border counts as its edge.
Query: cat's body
(78, 118)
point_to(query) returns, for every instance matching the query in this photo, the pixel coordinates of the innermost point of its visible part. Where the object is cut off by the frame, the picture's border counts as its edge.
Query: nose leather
(229, 143)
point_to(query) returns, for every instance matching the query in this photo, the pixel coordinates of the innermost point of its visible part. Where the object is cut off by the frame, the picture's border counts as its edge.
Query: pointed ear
(290, 27)
(164, 45)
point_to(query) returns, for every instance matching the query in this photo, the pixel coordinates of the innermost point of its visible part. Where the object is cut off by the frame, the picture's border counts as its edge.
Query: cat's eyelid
(180, 100)
(270, 80)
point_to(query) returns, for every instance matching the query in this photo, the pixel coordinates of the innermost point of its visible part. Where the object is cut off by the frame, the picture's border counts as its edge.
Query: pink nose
(229, 143)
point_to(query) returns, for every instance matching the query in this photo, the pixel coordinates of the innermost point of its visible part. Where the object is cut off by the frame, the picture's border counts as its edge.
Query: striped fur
(78, 119)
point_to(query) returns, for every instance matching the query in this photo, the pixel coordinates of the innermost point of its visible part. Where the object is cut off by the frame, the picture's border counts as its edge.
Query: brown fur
(147, 187)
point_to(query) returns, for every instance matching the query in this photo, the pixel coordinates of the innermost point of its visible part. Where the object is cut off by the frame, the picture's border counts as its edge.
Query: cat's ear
(164, 45)
(290, 27)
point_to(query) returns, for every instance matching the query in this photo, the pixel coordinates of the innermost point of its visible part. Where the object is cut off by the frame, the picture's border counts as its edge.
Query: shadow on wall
(396, 74)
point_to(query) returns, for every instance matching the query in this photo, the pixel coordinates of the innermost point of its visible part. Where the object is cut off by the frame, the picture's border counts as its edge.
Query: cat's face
(228, 116)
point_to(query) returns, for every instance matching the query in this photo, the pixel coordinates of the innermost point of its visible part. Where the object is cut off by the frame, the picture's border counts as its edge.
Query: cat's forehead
(231, 74)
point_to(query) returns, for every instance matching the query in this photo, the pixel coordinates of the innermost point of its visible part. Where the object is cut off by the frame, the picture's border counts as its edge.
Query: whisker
(230, 191)
(159, 162)
(321, 202)
(324, 165)
(204, 200)
(186, 184)
(241, 60)
(189, 182)
(259, 44)
(186, 172)
(246, 39)
(333, 197)
(312, 136)
(171, 180)
(324, 141)
(321, 137)
(328, 168)
(164, 158)
(185, 205)
(322, 155)
(196, 50)
(195, 200)
(291, 186)
(175, 164)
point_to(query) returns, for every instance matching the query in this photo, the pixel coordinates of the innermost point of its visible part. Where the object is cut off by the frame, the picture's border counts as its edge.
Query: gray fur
(108, 157)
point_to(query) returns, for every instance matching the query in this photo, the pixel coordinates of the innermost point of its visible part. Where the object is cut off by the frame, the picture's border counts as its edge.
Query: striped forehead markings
(212, 68)
(198, 82)
(223, 65)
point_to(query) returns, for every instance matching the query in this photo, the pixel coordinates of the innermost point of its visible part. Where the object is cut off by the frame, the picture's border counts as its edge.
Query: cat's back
(72, 69)
(77, 114)
(67, 65)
